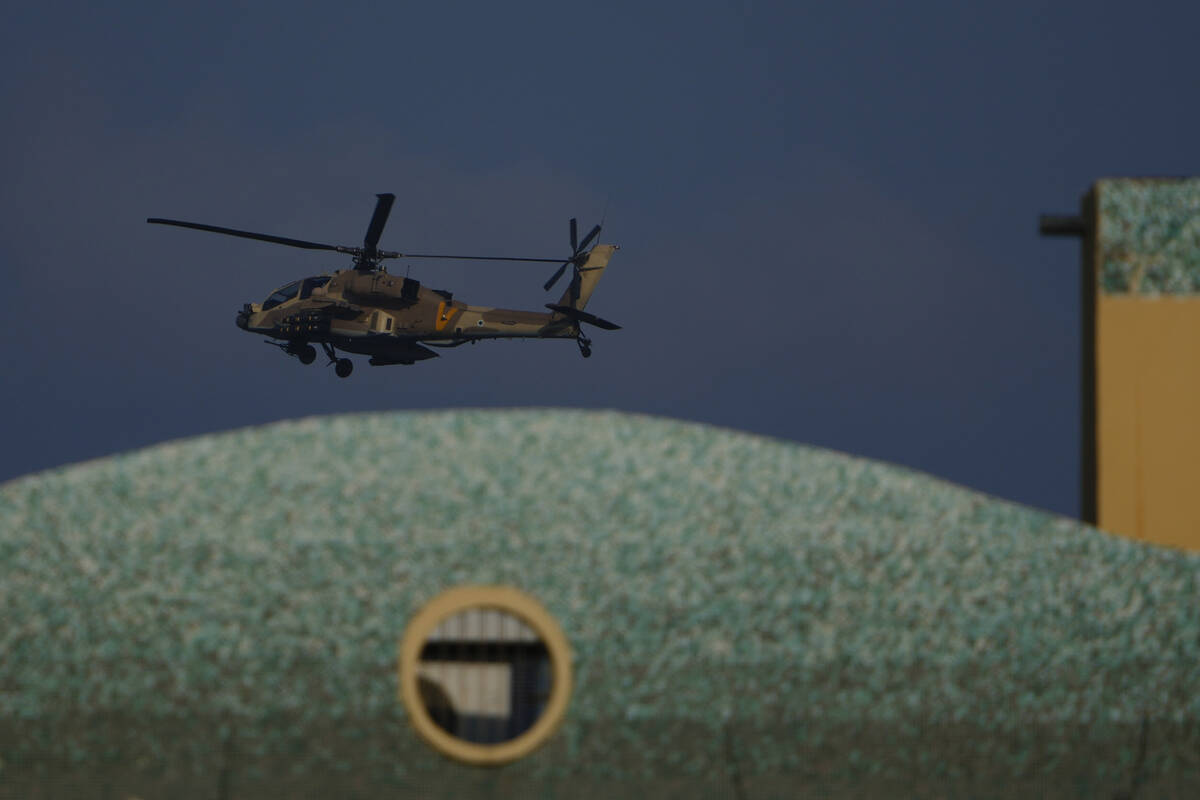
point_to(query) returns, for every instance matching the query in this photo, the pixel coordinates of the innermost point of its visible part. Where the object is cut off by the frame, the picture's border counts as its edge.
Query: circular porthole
(485, 674)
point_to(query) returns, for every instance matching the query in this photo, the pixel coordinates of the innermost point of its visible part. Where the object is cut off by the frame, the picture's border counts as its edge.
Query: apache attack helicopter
(390, 318)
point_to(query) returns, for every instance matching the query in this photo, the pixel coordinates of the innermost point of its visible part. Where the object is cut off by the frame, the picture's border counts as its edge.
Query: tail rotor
(578, 253)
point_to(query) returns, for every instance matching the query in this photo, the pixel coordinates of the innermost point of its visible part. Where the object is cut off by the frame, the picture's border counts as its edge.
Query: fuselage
(387, 316)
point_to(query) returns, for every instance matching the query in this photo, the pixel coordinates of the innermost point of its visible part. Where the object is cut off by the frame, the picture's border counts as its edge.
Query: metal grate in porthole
(485, 674)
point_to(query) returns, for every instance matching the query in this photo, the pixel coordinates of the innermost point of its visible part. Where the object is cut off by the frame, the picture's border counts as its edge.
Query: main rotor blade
(554, 278)
(262, 237)
(383, 207)
(591, 235)
(480, 258)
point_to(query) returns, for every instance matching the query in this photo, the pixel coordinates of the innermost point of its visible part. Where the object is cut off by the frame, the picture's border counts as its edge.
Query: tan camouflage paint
(363, 304)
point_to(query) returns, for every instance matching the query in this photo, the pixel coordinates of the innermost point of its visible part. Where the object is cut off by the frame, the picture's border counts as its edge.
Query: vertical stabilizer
(584, 280)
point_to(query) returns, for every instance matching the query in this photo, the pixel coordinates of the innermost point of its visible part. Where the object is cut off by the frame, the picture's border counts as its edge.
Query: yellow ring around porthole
(515, 603)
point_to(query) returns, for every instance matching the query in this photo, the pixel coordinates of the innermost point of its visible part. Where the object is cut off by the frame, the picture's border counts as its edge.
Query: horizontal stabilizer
(583, 316)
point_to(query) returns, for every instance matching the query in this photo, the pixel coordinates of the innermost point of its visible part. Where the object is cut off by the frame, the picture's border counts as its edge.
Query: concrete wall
(1147, 252)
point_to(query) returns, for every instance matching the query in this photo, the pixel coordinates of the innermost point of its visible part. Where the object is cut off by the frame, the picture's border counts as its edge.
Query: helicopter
(395, 320)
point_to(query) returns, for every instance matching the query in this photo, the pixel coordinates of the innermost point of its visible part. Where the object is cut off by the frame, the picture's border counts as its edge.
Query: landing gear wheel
(343, 367)
(585, 346)
(307, 354)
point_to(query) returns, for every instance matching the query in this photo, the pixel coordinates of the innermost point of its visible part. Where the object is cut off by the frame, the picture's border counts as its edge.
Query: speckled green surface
(747, 615)
(1148, 238)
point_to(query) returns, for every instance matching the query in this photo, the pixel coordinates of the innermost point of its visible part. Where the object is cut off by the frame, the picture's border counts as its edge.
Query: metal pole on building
(1083, 226)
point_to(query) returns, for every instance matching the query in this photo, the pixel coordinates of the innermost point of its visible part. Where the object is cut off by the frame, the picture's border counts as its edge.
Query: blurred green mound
(749, 618)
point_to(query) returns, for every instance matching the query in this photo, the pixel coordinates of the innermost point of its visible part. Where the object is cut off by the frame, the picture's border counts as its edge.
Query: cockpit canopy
(302, 288)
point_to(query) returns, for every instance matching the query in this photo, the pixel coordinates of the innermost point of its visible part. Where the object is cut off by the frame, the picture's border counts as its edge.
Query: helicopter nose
(243, 317)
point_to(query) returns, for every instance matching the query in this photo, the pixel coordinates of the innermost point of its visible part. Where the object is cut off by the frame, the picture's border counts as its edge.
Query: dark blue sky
(827, 216)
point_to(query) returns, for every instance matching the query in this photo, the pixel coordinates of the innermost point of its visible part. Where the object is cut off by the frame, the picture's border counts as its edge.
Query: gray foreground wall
(218, 617)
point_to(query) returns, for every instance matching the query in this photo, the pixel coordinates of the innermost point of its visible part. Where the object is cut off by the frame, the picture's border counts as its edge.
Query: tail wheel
(343, 367)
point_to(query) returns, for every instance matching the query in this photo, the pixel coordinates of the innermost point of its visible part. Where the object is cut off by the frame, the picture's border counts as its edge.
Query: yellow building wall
(1148, 417)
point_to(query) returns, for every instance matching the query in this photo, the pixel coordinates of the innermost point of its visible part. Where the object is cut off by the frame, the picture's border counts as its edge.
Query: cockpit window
(282, 295)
